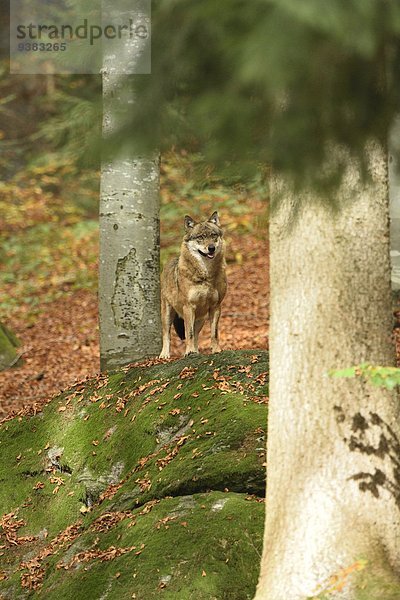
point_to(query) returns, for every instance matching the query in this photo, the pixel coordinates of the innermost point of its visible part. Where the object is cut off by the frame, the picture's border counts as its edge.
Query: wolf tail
(179, 326)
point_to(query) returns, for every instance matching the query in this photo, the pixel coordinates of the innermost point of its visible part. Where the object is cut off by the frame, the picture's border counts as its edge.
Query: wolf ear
(214, 218)
(189, 223)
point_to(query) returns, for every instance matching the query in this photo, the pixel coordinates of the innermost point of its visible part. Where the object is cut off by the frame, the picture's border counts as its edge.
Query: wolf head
(204, 239)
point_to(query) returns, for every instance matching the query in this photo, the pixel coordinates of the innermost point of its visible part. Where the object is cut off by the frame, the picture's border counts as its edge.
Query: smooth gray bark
(129, 278)
(333, 483)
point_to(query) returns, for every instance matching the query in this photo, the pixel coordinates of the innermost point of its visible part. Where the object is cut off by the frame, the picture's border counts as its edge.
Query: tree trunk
(394, 197)
(8, 345)
(129, 279)
(333, 492)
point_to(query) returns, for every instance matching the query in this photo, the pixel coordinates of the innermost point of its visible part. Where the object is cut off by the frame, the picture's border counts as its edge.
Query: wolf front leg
(189, 318)
(214, 320)
(167, 315)
(198, 326)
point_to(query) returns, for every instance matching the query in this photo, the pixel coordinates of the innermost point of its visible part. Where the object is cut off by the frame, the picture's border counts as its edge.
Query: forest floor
(48, 276)
(62, 346)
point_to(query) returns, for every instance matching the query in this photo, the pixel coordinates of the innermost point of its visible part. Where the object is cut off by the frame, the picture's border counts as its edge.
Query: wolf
(194, 285)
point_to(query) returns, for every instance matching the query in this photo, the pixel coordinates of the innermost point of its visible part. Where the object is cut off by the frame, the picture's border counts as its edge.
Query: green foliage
(72, 129)
(45, 262)
(388, 377)
(246, 84)
(271, 82)
(48, 120)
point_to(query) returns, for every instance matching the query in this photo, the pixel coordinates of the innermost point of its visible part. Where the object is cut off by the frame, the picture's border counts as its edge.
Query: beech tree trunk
(333, 460)
(129, 278)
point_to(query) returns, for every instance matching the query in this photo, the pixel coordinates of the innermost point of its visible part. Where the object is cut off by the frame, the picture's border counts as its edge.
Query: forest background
(50, 134)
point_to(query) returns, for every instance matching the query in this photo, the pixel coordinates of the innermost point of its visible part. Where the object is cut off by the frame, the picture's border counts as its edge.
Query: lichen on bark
(128, 296)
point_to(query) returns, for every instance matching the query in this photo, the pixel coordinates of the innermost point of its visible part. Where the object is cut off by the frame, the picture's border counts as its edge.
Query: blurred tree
(271, 81)
(4, 28)
(310, 88)
(333, 445)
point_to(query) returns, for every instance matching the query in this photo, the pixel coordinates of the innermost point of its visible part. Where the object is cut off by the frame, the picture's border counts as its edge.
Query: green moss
(8, 346)
(174, 429)
(203, 546)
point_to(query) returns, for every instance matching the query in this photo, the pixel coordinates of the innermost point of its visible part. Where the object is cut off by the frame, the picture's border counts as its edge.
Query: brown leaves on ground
(110, 491)
(163, 462)
(144, 484)
(32, 579)
(102, 555)
(61, 346)
(187, 373)
(9, 525)
(34, 569)
(109, 520)
(33, 576)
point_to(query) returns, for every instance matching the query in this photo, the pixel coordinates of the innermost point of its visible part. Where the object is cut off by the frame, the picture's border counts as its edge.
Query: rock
(158, 488)
(8, 348)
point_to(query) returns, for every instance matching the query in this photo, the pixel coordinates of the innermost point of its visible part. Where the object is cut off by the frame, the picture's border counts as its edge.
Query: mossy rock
(177, 448)
(8, 348)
